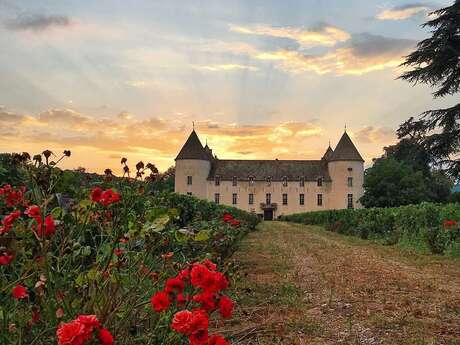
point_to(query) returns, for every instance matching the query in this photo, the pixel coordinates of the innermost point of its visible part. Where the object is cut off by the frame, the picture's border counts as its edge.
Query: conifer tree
(436, 62)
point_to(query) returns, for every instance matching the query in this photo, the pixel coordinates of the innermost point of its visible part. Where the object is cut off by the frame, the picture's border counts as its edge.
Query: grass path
(302, 285)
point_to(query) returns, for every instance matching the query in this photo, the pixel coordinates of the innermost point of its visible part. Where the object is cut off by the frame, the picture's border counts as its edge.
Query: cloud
(153, 138)
(363, 53)
(320, 35)
(37, 22)
(372, 134)
(226, 67)
(403, 12)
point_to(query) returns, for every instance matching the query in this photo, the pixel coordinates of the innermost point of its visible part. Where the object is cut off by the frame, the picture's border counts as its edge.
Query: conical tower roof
(193, 149)
(345, 150)
(328, 153)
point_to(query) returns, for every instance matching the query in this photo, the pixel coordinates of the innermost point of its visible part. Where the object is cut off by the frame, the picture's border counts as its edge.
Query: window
(189, 180)
(350, 201)
(251, 199)
(350, 169)
(285, 182)
(350, 182)
(217, 180)
(234, 198)
(234, 181)
(251, 180)
(320, 181)
(268, 198)
(285, 199)
(269, 180)
(217, 198)
(189, 193)
(302, 199)
(319, 200)
(302, 182)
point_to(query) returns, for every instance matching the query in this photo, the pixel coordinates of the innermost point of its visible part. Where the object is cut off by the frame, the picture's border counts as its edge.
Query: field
(303, 285)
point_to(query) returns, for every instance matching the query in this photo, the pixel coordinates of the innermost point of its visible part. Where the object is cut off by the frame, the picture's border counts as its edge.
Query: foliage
(435, 62)
(434, 227)
(390, 183)
(105, 253)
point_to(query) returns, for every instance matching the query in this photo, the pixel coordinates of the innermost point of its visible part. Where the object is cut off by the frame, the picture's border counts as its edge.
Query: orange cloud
(322, 35)
(403, 12)
(362, 54)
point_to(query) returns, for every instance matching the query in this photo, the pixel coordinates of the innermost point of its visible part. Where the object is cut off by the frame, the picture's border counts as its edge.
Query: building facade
(272, 188)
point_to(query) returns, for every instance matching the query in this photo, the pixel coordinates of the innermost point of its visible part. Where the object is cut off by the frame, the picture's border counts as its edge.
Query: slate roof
(311, 170)
(345, 151)
(328, 153)
(193, 149)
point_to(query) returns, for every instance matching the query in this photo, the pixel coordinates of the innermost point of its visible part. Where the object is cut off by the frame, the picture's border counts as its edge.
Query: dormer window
(269, 180)
(302, 182)
(234, 181)
(251, 180)
(217, 180)
(285, 181)
(319, 182)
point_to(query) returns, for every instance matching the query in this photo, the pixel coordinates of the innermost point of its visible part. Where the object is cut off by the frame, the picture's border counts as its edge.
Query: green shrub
(424, 225)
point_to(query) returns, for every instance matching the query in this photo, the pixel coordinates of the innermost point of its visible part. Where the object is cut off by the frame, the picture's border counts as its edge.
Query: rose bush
(113, 264)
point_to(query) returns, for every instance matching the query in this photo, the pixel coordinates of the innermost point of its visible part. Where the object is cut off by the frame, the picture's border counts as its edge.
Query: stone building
(272, 188)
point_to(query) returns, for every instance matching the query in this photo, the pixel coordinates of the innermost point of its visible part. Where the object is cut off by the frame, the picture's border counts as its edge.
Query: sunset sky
(261, 78)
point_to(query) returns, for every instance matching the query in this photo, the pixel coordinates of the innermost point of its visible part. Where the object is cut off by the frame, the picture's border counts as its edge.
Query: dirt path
(302, 285)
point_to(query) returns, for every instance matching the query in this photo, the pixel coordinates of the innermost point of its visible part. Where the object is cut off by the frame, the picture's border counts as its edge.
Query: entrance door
(268, 214)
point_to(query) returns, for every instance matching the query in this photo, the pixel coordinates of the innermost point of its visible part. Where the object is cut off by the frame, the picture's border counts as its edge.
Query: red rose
(5, 259)
(50, 227)
(210, 265)
(227, 217)
(72, 333)
(450, 224)
(217, 339)
(96, 194)
(200, 320)
(19, 292)
(174, 285)
(199, 338)
(33, 212)
(168, 255)
(226, 306)
(181, 299)
(108, 197)
(105, 337)
(8, 221)
(160, 301)
(206, 300)
(182, 322)
(118, 251)
(219, 282)
(201, 276)
(235, 222)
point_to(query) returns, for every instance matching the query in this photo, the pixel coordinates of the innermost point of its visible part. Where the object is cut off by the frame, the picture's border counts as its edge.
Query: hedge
(427, 226)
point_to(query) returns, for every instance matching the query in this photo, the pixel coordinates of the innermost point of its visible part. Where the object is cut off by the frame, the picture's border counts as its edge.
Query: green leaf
(85, 203)
(180, 237)
(86, 251)
(57, 213)
(203, 235)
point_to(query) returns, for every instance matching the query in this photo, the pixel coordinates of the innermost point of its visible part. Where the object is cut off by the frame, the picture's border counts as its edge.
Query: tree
(413, 153)
(390, 183)
(436, 62)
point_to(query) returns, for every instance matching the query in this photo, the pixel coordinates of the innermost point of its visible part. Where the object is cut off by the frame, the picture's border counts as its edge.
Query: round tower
(346, 169)
(193, 164)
